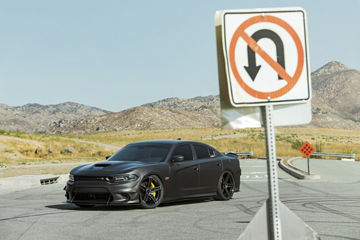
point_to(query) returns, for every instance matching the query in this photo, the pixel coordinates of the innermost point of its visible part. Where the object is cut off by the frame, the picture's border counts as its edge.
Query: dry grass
(21, 148)
(288, 140)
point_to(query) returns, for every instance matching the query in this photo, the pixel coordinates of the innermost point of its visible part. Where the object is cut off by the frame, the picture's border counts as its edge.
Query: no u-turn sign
(266, 56)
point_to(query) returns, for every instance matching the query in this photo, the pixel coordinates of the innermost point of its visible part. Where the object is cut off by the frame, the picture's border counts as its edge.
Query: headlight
(122, 178)
(71, 177)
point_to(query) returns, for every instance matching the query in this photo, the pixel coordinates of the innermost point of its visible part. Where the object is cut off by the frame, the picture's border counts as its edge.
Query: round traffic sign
(291, 80)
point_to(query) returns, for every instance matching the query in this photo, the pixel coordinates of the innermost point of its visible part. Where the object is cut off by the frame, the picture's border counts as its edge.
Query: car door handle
(196, 168)
(219, 164)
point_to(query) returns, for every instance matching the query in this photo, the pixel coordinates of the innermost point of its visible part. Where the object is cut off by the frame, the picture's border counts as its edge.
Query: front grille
(89, 178)
(93, 197)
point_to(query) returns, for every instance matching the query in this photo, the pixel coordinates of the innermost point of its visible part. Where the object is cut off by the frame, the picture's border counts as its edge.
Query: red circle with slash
(291, 80)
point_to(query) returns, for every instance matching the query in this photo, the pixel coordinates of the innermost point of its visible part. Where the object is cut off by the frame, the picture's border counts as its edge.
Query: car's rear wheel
(151, 192)
(226, 186)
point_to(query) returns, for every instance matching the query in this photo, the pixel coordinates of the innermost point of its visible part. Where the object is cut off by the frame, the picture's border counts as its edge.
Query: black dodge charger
(152, 172)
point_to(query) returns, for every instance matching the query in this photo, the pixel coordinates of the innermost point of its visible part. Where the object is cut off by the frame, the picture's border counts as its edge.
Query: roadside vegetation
(17, 148)
(288, 140)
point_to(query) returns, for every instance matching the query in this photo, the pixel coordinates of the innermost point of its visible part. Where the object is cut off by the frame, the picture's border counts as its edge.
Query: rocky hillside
(38, 118)
(336, 98)
(190, 105)
(197, 112)
(336, 104)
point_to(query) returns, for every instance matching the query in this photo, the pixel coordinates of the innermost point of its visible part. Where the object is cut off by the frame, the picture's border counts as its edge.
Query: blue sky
(116, 54)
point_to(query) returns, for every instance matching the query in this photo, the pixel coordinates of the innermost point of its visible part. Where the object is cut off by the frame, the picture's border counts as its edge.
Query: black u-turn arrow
(253, 69)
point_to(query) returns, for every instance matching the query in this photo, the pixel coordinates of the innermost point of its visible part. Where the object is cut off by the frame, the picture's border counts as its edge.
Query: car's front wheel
(151, 192)
(226, 186)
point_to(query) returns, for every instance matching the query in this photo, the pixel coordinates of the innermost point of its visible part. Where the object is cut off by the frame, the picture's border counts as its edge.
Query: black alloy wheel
(151, 192)
(225, 186)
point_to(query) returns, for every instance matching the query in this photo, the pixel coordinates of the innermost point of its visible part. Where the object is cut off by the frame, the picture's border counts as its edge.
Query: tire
(151, 192)
(226, 186)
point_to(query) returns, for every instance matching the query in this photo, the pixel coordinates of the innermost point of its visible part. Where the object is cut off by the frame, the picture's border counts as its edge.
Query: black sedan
(152, 172)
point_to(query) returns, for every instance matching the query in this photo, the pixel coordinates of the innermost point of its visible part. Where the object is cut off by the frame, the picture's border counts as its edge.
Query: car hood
(107, 168)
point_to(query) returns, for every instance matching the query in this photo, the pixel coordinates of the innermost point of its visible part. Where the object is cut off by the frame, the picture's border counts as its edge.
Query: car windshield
(142, 153)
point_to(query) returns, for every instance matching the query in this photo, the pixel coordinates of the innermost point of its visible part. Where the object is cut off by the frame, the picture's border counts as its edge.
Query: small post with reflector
(307, 149)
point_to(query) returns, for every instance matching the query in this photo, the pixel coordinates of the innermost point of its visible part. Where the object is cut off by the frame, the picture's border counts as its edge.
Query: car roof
(173, 142)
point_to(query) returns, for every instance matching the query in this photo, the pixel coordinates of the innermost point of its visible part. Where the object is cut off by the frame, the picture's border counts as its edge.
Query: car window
(201, 151)
(142, 152)
(213, 152)
(184, 150)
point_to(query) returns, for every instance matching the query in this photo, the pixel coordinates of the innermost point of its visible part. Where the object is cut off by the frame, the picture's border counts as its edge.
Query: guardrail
(47, 181)
(345, 155)
(265, 158)
(240, 153)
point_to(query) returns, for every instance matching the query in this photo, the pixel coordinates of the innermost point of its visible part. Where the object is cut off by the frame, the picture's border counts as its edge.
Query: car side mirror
(107, 157)
(177, 158)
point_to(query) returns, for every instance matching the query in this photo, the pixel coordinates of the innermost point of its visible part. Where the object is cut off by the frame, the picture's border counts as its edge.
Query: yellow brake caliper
(152, 187)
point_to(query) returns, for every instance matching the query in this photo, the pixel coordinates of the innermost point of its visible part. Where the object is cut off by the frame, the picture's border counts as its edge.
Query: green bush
(296, 144)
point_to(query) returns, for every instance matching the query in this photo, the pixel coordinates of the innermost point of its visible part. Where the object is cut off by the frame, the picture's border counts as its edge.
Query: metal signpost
(273, 201)
(263, 64)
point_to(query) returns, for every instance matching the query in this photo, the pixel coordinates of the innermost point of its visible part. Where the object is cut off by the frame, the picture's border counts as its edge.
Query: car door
(184, 174)
(210, 168)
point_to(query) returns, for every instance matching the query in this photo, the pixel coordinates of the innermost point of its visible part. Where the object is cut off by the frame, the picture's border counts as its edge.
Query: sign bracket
(266, 223)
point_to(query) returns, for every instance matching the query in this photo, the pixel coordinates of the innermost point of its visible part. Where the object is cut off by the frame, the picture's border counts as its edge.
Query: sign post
(264, 81)
(273, 202)
(308, 165)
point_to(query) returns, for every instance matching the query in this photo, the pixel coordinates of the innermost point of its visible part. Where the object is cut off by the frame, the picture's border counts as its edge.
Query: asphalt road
(331, 170)
(332, 208)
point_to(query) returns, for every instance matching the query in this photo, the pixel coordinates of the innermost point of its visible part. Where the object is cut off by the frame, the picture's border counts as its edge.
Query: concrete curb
(286, 165)
(12, 184)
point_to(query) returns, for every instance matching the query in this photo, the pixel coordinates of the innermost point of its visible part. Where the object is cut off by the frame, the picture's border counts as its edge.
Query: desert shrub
(19, 134)
(297, 143)
(349, 149)
(9, 151)
(319, 146)
(261, 136)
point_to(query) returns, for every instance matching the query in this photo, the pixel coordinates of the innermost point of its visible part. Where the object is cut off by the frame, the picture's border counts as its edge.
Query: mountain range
(38, 118)
(335, 104)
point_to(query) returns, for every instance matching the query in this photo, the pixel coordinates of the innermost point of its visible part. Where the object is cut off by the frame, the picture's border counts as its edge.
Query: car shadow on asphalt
(70, 206)
(186, 202)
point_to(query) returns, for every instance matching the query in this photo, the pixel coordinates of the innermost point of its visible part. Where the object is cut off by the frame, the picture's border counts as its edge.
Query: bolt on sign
(307, 149)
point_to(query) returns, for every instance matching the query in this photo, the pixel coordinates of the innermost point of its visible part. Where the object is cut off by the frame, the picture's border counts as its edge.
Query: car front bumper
(101, 192)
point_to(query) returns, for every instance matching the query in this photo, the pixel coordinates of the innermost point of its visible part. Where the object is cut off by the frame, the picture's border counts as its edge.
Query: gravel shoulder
(40, 169)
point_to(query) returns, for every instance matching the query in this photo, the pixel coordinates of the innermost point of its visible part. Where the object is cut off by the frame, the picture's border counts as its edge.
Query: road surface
(331, 208)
